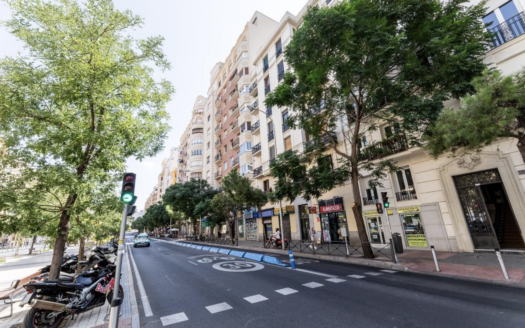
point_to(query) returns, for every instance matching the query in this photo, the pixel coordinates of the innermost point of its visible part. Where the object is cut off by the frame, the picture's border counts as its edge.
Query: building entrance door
(375, 230)
(487, 210)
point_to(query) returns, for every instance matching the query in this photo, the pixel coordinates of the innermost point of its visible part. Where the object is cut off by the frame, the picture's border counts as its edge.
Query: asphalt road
(191, 288)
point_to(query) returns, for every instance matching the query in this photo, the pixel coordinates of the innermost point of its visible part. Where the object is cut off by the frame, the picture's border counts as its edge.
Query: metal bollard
(393, 251)
(502, 264)
(435, 258)
(292, 260)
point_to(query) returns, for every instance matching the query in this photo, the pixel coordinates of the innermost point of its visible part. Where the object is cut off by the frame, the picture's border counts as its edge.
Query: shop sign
(416, 240)
(267, 221)
(409, 209)
(276, 212)
(390, 212)
(370, 213)
(312, 210)
(290, 209)
(255, 215)
(332, 208)
(267, 213)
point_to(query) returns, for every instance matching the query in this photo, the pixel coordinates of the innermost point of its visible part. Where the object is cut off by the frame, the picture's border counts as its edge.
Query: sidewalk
(97, 318)
(476, 266)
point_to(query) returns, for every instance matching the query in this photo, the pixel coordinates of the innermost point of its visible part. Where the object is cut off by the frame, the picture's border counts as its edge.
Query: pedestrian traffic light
(128, 188)
(379, 208)
(385, 199)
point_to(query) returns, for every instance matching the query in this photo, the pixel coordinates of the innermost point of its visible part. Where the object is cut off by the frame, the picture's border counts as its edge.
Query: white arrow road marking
(142, 291)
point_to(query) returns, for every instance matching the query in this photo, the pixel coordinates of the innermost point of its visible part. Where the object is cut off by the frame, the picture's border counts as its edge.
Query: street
(186, 287)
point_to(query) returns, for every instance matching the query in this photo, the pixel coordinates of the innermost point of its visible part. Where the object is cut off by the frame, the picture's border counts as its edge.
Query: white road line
(255, 298)
(218, 307)
(317, 273)
(388, 271)
(373, 273)
(313, 285)
(174, 318)
(335, 280)
(356, 276)
(193, 263)
(286, 291)
(142, 291)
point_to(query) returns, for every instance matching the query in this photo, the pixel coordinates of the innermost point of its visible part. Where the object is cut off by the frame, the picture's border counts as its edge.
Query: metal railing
(270, 136)
(406, 195)
(285, 128)
(256, 126)
(268, 111)
(384, 148)
(508, 30)
(257, 171)
(256, 148)
(380, 251)
(255, 105)
(253, 87)
(370, 201)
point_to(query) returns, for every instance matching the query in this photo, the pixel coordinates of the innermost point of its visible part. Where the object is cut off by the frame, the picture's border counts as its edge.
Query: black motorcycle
(68, 270)
(53, 301)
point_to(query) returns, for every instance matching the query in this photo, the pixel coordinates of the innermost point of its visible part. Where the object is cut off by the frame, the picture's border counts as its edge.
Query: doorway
(375, 230)
(490, 219)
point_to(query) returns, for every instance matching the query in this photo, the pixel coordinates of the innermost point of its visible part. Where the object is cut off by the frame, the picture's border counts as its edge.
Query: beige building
(191, 145)
(466, 203)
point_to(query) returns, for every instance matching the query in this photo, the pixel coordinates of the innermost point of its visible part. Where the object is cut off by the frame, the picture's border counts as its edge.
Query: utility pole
(281, 222)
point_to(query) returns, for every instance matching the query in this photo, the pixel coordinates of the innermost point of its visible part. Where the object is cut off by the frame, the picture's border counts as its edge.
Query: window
(225, 148)
(196, 152)
(266, 185)
(270, 126)
(197, 130)
(364, 142)
(267, 85)
(278, 48)
(208, 132)
(514, 25)
(209, 118)
(225, 166)
(196, 163)
(287, 143)
(208, 174)
(325, 163)
(208, 160)
(280, 71)
(196, 175)
(405, 185)
(231, 161)
(285, 116)
(196, 141)
(247, 146)
(392, 130)
(208, 145)
(246, 168)
(244, 89)
(272, 153)
(265, 64)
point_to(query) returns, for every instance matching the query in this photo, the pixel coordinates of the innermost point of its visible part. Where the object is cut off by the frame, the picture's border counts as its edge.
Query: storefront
(333, 220)
(267, 222)
(251, 227)
(412, 224)
(375, 226)
(304, 217)
(286, 231)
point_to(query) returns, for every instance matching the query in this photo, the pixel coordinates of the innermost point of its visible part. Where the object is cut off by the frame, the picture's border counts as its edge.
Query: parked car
(142, 240)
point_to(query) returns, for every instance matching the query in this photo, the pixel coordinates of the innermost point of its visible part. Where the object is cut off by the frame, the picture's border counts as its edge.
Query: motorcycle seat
(74, 285)
(83, 262)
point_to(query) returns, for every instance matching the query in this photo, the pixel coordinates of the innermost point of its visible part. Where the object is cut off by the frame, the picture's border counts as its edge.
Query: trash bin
(398, 243)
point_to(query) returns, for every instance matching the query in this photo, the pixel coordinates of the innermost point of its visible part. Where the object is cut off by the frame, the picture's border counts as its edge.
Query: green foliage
(496, 110)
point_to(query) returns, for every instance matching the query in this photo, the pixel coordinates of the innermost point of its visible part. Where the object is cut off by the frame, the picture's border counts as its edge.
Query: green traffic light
(387, 205)
(126, 198)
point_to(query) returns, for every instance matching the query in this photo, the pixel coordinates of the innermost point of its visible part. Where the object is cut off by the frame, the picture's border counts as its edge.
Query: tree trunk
(32, 245)
(82, 245)
(18, 241)
(60, 242)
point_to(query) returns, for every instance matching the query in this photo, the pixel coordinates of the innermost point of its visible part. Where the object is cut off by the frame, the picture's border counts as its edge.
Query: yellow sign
(276, 212)
(390, 212)
(369, 213)
(409, 209)
(417, 240)
(290, 209)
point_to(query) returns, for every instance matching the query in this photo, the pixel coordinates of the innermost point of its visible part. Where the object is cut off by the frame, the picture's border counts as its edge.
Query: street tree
(83, 98)
(495, 111)
(225, 210)
(363, 63)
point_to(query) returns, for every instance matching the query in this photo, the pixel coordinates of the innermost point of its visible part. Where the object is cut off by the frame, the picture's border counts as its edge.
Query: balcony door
(405, 184)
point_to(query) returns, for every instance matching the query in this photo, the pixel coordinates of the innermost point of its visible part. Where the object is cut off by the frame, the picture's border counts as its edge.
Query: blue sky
(198, 33)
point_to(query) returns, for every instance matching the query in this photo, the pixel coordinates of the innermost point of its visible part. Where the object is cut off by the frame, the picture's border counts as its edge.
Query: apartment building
(191, 145)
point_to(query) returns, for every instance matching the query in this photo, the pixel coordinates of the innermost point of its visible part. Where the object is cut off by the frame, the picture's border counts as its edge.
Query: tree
(83, 100)
(362, 63)
(225, 210)
(496, 110)
(185, 198)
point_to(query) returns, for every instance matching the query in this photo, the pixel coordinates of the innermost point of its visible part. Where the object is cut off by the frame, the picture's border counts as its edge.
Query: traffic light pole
(391, 233)
(115, 303)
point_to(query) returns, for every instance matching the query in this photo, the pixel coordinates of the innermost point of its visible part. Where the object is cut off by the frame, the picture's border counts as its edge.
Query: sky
(198, 34)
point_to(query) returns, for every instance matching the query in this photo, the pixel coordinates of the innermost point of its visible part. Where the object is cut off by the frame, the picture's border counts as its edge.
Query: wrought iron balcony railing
(270, 136)
(406, 195)
(257, 171)
(256, 126)
(384, 148)
(508, 30)
(256, 148)
(370, 201)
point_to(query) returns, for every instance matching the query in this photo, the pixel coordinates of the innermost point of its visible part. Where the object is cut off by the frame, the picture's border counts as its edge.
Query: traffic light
(385, 199)
(128, 188)
(379, 208)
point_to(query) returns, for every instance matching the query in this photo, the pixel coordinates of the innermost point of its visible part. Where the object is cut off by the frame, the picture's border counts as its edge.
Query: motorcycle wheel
(267, 244)
(285, 244)
(36, 318)
(109, 296)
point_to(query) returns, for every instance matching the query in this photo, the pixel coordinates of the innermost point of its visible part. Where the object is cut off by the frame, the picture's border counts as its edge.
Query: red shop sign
(312, 210)
(332, 208)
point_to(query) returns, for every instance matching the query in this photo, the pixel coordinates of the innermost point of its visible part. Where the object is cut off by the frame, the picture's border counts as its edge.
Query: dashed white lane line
(218, 307)
(373, 273)
(388, 271)
(335, 280)
(174, 318)
(356, 276)
(286, 291)
(142, 291)
(313, 285)
(255, 298)
(317, 273)
(193, 263)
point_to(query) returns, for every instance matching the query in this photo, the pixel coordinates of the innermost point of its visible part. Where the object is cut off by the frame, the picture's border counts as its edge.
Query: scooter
(275, 243)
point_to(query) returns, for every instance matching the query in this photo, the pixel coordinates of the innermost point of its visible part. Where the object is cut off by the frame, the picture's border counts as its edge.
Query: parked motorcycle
(53, 301)
(269, 243)
(69, 268)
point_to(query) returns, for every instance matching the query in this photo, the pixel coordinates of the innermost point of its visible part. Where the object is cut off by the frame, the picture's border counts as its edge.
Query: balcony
(234, 93)
(181, 161)
(325, 139)
(278, 52)
(235, 163)
(384, 148)
(234, 144)
(254, 106)
(370, 201)
(508, 30)
(266, 90)
(406, 195)
(234, 78)
(254, 90)
(218, 114)
(234, 126)
(218, 158)
(218, 143)
(285, 128)
(218, 102)
(256, 149)
(234, 109)
(218, 129)
(268, 111)
(270, 136)
(218, 175)
(257, 171)
(256, 126)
